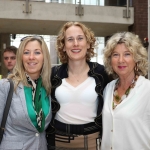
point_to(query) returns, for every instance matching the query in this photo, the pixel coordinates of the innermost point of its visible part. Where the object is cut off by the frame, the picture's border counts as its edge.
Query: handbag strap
(7, 106)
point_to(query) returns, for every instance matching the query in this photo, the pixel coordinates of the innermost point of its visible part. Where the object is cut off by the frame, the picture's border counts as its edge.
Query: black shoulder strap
(6, 109)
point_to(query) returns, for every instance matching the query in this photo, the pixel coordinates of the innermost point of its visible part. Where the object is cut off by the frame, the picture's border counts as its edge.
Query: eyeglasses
(34, 36)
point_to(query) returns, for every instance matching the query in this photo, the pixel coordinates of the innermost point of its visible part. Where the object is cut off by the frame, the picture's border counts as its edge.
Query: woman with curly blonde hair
(126, 99)
(77, 87)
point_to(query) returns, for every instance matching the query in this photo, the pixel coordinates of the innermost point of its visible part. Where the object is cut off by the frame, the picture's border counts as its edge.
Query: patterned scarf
(37, 101)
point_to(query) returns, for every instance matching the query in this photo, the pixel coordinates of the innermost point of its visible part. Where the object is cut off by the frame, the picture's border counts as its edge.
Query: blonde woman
(30, 110)
(126, 111)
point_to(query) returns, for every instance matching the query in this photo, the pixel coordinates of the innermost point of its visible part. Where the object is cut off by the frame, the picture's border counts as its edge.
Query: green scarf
(37, 101)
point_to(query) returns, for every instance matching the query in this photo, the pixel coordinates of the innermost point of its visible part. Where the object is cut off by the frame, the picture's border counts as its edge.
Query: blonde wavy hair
(18, 74)
(61, 41)
(134, 45)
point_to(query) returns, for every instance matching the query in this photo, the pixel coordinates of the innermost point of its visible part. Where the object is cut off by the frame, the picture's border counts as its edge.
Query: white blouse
(127, 127)
(78, 104)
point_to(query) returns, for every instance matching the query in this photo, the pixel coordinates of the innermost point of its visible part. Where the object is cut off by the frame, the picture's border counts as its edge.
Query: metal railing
(86, 2)
(83, 2)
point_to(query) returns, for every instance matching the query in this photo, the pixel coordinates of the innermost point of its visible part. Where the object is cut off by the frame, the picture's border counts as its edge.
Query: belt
(81, 129)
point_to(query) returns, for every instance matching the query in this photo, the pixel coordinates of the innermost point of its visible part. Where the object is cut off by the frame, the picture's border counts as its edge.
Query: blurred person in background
(9, 58)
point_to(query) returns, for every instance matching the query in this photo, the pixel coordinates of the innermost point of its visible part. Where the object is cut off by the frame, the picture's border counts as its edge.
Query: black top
(96, 71)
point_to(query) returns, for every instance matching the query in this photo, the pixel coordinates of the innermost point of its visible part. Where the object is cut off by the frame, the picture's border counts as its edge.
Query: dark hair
(10, 49)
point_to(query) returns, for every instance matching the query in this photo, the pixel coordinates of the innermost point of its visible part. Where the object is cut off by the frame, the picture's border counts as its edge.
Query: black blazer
(96, 71)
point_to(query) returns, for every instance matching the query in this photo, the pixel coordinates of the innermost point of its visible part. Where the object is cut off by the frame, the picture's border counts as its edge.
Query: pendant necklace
(117, 99)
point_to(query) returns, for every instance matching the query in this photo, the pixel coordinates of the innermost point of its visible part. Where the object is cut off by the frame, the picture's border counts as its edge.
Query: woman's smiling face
(122, 61)
(75, 43)
(33, 59)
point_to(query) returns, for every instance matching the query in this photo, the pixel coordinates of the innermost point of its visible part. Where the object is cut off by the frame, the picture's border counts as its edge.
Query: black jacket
(96, 71)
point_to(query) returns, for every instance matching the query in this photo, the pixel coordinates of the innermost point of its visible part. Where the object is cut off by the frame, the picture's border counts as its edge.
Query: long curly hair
(91, 40)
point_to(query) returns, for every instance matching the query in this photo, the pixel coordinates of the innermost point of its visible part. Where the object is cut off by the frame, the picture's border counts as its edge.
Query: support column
(53, 53)
(140, 26)
(4, 42)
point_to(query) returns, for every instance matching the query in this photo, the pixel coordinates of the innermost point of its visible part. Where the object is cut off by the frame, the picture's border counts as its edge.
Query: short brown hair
(10, 49)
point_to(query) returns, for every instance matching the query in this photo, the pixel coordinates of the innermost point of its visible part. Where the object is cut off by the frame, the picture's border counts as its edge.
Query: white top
(78, 105)
(127, 127)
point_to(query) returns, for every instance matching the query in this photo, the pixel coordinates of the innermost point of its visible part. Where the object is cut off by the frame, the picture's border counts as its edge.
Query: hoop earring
(136, 68)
